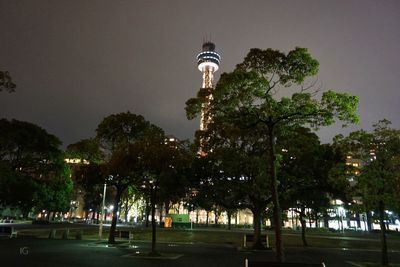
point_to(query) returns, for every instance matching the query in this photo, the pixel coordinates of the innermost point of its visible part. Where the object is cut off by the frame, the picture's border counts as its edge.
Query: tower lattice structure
(207, 62)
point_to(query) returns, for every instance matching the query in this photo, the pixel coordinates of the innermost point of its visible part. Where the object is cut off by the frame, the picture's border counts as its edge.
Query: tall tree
(158, 164)
(33, 160)
(305, 171)
(16, 189)
(247, 97)
(54, 193)
(378, 182)
(88, 172)
(201, 186)
(28, 147)
(174, 182)
(115, 134)
(236, 167)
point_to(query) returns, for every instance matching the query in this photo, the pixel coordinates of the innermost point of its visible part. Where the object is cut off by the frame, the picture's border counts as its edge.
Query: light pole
(102, 212)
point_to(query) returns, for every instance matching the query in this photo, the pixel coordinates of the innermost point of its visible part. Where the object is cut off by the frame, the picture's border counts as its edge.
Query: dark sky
(76, 62)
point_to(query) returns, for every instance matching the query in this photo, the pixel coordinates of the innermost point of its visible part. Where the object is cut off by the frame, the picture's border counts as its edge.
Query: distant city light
(76, 161)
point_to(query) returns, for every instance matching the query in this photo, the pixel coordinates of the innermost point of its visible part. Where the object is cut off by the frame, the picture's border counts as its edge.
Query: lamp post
(102, 212)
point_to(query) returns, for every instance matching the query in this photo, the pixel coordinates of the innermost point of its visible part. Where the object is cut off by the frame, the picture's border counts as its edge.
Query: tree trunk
(326, 219)
(207, 219)
(303, 226)
(257, 229)
(384, 259)
(229, 219)
(358, 220)
(147, 212)
(275, 197)
(126, 209)
(197, 216)
(111, 236)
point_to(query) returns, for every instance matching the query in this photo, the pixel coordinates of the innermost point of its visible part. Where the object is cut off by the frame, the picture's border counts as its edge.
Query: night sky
(75, 62)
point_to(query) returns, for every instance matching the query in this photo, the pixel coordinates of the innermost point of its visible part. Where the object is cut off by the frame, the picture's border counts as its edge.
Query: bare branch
(308, 87)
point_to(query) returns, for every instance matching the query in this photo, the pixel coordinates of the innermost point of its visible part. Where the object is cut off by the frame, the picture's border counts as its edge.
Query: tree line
(259, 119)
(262, 153)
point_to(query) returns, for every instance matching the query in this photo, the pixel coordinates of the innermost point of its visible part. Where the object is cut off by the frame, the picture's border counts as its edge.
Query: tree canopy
(32, 168)
(118, 134)
(378, 184)
(248, 97)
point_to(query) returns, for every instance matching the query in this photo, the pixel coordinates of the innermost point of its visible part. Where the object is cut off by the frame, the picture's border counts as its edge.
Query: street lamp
(102, 212)
(102, 208)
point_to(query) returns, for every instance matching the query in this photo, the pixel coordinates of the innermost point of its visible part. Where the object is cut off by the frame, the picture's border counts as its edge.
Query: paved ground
(25, 251)
(44, 252)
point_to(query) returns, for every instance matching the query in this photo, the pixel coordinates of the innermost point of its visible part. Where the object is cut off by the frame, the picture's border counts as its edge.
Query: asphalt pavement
(45, 252)
(29, 251)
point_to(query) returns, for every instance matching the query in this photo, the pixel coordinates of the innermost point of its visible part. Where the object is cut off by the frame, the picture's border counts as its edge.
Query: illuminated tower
(208, 63)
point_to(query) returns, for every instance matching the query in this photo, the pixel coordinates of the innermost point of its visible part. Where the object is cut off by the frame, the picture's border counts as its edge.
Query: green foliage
(27, 146)
(122, 135)
(88, 178)
(379, 152)
(247, 98)
(379, 178)
(54, 194)
(33, 173)
(306, 171)
(277, 67)
(119, 130)
(131, 144)
(154, 161)
(16, 190)
(174, 181)
(86, 149)
(378, 185)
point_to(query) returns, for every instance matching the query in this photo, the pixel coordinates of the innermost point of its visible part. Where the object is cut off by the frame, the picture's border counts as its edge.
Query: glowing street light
(102, 209)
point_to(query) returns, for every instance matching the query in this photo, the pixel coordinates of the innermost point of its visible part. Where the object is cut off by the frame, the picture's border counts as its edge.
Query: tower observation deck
(207, 62)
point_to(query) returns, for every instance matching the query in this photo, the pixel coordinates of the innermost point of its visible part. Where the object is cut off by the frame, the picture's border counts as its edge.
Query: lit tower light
(207, 62)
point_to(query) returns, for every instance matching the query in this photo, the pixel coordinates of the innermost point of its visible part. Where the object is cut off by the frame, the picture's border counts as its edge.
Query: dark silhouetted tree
(248, 97)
